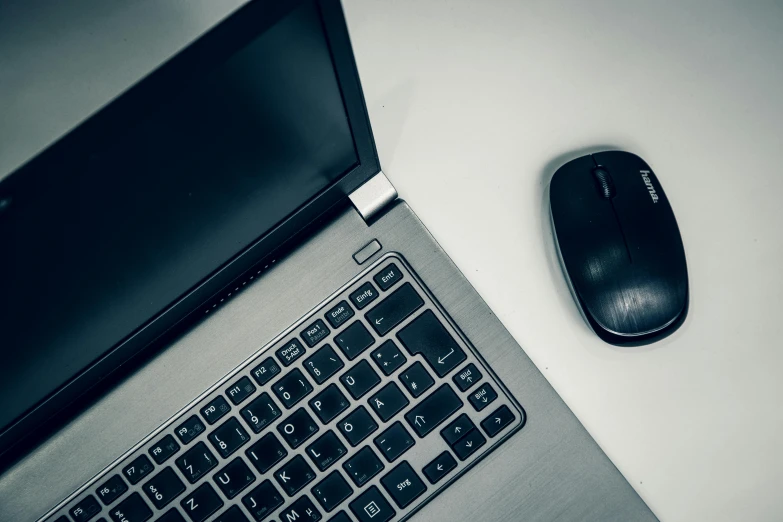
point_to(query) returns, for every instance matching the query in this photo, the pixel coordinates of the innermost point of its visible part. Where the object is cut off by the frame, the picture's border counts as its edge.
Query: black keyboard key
(390, 312)
(297, 428)
(234, 478)
(132, 509)
(371, 506)
(215, 410)
(403, 485)
(388, 401)
(295, 475)
(315, 333)
(467, 377)
(87, 508)
(357, 426)
(262, 500)
(388, 357)
(302, 510)
(164, 449)
(469, 444)
(440, 467)
(139, 468)
(266, 371)
(232, 514)
(62, 518)
(323, 364)
(260, 412)
(172, 515)
(290, 352)
(190, 429)
(387, 277)
(417, 379)
(482, 396)
(292, 388)
(201, 503)
(457, 429)
(228, 437)
(111, 490)
(329, 403)
(365, 295)
(267, 452)
(331, 491)
(497, 421)
(394, 441)
(326, 450)
(360, 379)
(354, 340)
(240, 390)
(341, 312)
(363, 466)
(427, 336)
(340, 517)
(196, 462)
(432, 411)
(163, 488)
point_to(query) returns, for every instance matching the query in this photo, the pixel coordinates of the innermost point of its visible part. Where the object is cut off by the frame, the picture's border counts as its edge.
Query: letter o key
(288, 428)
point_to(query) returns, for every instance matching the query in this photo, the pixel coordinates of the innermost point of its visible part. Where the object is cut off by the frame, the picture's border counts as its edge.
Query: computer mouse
(620, 247)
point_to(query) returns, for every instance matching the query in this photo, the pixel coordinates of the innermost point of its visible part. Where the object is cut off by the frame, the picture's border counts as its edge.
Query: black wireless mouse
(620, 247)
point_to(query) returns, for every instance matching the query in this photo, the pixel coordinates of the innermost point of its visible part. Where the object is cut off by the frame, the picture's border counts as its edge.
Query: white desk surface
(474, 105)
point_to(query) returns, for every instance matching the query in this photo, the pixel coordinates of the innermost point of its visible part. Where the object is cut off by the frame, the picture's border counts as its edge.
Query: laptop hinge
(373, 196)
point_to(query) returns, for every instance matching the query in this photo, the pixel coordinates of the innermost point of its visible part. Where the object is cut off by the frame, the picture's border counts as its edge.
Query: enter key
(427, 336)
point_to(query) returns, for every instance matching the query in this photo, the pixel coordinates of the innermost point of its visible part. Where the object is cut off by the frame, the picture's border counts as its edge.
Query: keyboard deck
(362, 411)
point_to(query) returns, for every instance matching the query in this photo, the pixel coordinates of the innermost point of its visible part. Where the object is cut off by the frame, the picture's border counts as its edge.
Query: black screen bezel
(230, 35)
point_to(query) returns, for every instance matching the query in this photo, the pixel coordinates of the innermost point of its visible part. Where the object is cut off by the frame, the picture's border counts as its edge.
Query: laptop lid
(125, 229)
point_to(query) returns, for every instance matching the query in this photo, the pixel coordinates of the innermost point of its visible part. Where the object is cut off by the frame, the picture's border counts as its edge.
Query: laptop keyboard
(362, 411)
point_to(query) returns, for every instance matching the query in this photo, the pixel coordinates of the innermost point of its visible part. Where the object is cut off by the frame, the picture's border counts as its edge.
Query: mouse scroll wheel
(604, 183)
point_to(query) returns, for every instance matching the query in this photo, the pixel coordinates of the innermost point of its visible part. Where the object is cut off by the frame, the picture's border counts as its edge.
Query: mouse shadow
(556, 269)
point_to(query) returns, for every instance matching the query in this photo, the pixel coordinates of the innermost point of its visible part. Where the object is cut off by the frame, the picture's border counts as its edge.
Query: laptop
(217, 308)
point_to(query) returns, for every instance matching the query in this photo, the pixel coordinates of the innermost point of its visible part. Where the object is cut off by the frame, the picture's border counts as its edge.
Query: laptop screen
(98, 249)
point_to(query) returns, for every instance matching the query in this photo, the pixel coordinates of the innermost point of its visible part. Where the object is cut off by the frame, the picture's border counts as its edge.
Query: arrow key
(440, 467)
(499, 419)
(469, 444)
(457, 429)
